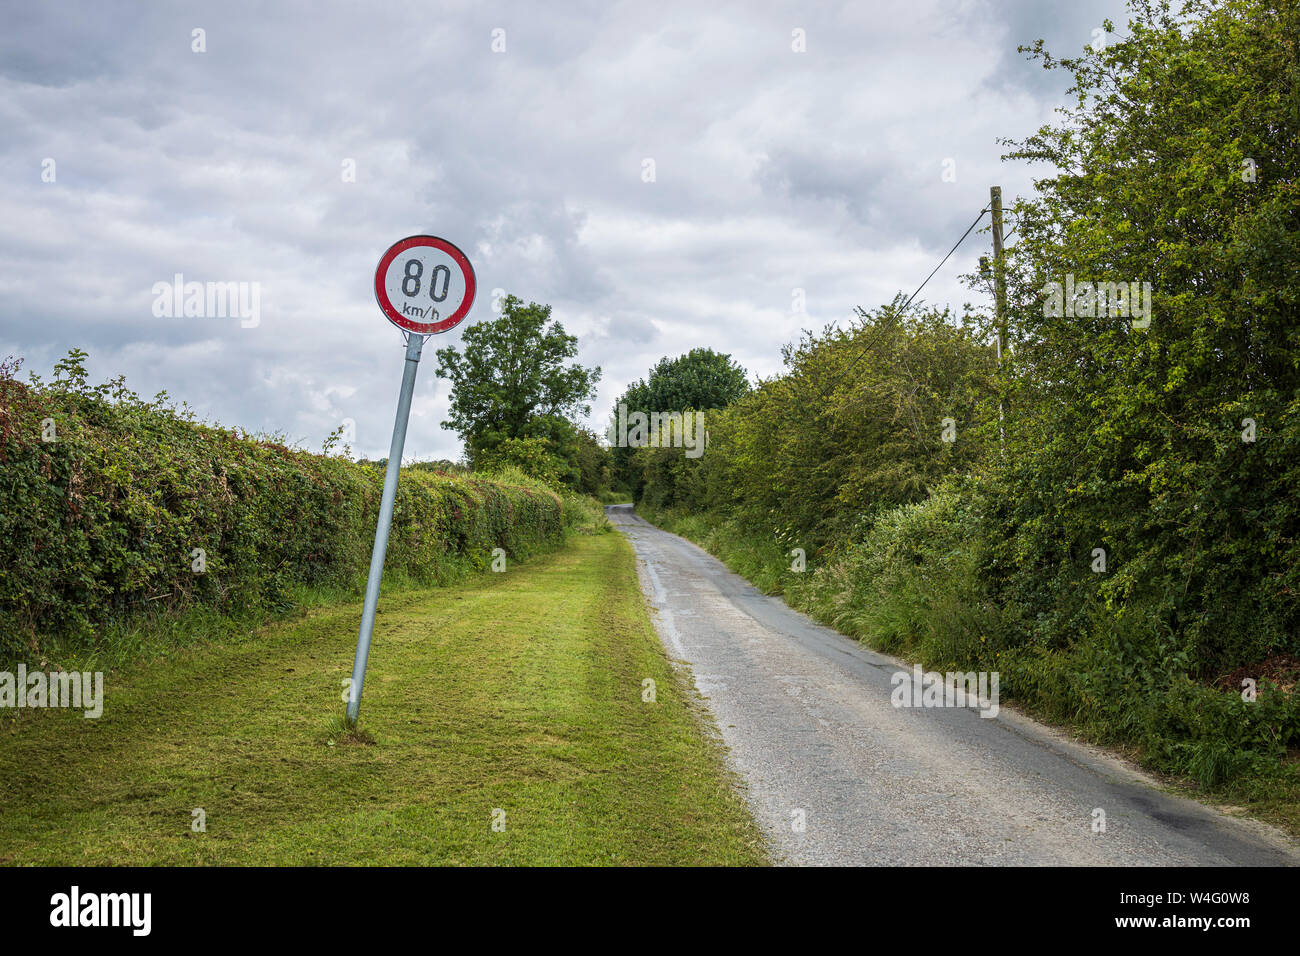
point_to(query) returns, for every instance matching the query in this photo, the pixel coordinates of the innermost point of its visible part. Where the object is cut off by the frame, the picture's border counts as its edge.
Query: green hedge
(104, 520)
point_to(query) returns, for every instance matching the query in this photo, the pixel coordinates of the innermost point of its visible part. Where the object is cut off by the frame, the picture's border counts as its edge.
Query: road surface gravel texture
(807, 717)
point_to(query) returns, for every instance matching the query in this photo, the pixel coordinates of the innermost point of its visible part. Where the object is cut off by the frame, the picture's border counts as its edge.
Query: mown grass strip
(519, 692)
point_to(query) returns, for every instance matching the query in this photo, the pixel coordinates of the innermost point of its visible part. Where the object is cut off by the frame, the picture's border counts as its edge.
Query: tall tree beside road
(700, 379)
(1163, 432)
(514, 380)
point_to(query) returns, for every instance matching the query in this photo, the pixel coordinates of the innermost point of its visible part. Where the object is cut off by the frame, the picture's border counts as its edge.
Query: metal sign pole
(434, 285)
(414, 343)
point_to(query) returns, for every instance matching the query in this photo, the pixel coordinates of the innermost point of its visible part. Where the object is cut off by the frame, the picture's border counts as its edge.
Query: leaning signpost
(424, 285)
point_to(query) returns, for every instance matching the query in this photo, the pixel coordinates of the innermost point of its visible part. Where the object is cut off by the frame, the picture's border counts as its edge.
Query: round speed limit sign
(424, 284)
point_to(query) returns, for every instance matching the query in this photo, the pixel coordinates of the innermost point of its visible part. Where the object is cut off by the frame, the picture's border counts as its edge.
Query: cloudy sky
(304, 138)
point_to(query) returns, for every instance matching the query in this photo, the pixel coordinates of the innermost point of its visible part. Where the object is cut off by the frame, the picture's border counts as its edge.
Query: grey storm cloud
(774, 170)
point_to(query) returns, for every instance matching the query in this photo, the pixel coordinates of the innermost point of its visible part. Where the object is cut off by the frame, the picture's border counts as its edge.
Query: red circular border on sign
(402, 321)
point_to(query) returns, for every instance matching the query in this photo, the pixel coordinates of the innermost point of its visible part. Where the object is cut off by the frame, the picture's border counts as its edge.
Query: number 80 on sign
(424, 284)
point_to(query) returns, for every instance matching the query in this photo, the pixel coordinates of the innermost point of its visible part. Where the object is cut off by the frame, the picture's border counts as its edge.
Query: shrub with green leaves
(857, 425)
(1173, 445)
(111, 505)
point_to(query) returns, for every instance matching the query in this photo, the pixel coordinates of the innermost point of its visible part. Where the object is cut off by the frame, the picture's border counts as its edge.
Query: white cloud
(775, 170)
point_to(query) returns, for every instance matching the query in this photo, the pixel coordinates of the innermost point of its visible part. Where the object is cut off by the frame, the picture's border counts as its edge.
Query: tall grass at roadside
(908, 583)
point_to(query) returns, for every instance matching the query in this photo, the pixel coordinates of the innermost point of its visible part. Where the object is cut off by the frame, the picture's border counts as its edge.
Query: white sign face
(425, 284)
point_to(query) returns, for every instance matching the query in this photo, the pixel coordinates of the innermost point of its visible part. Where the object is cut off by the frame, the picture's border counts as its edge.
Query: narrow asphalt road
(837, 775)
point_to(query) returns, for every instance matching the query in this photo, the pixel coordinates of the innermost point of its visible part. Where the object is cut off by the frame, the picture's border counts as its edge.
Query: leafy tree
(593, 463)
(1176, 164)
(514, 380)
(701, 379)
(857, 425)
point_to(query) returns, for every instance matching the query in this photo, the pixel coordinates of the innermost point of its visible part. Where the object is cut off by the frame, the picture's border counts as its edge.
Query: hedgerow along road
(836, 774)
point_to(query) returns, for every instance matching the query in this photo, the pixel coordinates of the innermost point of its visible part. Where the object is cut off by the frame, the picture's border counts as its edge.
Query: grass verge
(514, 698)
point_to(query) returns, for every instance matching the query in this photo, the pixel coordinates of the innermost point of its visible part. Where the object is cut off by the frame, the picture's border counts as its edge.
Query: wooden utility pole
(999, 297)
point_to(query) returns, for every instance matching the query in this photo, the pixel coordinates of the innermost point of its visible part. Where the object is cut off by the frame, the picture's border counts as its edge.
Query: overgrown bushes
(1115, 526)
(859, 423)
(111, 505)
(910, 582)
